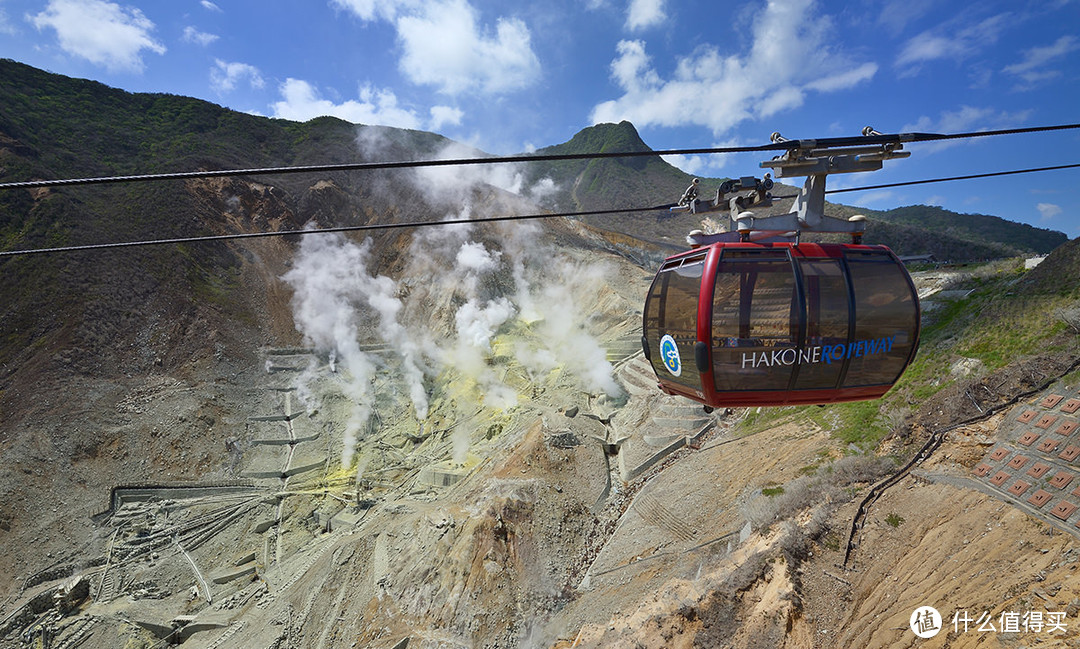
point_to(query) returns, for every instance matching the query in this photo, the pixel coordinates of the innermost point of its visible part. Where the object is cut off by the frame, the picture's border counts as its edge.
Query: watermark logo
(925, 622)
(1010, 622)
(669, 353)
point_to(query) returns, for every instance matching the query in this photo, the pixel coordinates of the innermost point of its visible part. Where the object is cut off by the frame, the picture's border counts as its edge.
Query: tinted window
(886, 320)
(827, 322)
(671, 310)
(755, 321)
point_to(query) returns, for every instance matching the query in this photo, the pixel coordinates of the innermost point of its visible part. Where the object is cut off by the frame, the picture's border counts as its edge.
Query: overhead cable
(942, 180)
(785, 145)
(522, 217)
(345, 228)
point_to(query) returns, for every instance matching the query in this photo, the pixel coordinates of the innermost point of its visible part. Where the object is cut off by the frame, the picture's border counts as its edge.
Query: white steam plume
(476, 325)
(477, 321)
(458, 284)
(563, 331)
(325, 313)
(454, 276)
(549, 289)
(381, 295)
(453, 183)
(334, 293)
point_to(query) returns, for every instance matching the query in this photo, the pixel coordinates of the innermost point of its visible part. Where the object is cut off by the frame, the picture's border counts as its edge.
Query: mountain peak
(603, 138)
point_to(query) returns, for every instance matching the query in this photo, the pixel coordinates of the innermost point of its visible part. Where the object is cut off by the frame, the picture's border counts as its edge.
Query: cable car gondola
(735, 322)
(772, 324)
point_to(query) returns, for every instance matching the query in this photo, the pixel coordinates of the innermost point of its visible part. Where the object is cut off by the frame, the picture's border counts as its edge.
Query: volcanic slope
(449, 438)
(544, 532)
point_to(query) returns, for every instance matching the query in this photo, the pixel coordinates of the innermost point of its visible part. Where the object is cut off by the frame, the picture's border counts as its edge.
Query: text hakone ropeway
(818, 354)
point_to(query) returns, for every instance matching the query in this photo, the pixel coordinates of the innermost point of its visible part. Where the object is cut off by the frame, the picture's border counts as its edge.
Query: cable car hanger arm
(814, 159)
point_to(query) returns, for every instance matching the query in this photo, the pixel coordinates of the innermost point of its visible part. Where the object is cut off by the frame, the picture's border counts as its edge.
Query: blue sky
(511, 77)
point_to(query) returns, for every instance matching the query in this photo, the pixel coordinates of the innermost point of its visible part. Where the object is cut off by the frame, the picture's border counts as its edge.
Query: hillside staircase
(671, 417)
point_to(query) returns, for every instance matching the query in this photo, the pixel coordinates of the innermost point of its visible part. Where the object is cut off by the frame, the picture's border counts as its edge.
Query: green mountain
(100, 305)
(641, 182)
(979, 228)
(609, 182)
(613, 183)
(924, 229)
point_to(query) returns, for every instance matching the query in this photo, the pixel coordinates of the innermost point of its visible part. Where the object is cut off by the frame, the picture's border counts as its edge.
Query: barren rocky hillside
(217, 510)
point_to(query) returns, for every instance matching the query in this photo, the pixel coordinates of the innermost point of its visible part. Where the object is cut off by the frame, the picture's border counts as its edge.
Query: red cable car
(777, 322)
(773, 324)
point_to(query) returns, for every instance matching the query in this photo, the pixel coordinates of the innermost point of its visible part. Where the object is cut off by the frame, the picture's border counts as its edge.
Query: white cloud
(103, 33)
(1038, 56)
(444, 45)
(369, 10)
(642, 14)
(967, 118)
(224, 76)
(443, 115)
(947, 42)
(928, 47)
(963, 120)
(703, 165)
(631, 69)
(193, 35)
(866, 199)
(691, 164)
(1032, 68)
(302, 102)
(790, 55)
(1048, 210)
(897, 14)
(210, 6)
(5, 24)
(844, 79)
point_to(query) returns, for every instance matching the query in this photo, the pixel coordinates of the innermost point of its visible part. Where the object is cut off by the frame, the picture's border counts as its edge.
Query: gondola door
(757, 320)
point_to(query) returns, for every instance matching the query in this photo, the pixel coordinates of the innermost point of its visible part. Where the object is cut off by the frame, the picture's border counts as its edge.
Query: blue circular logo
(669, 353)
